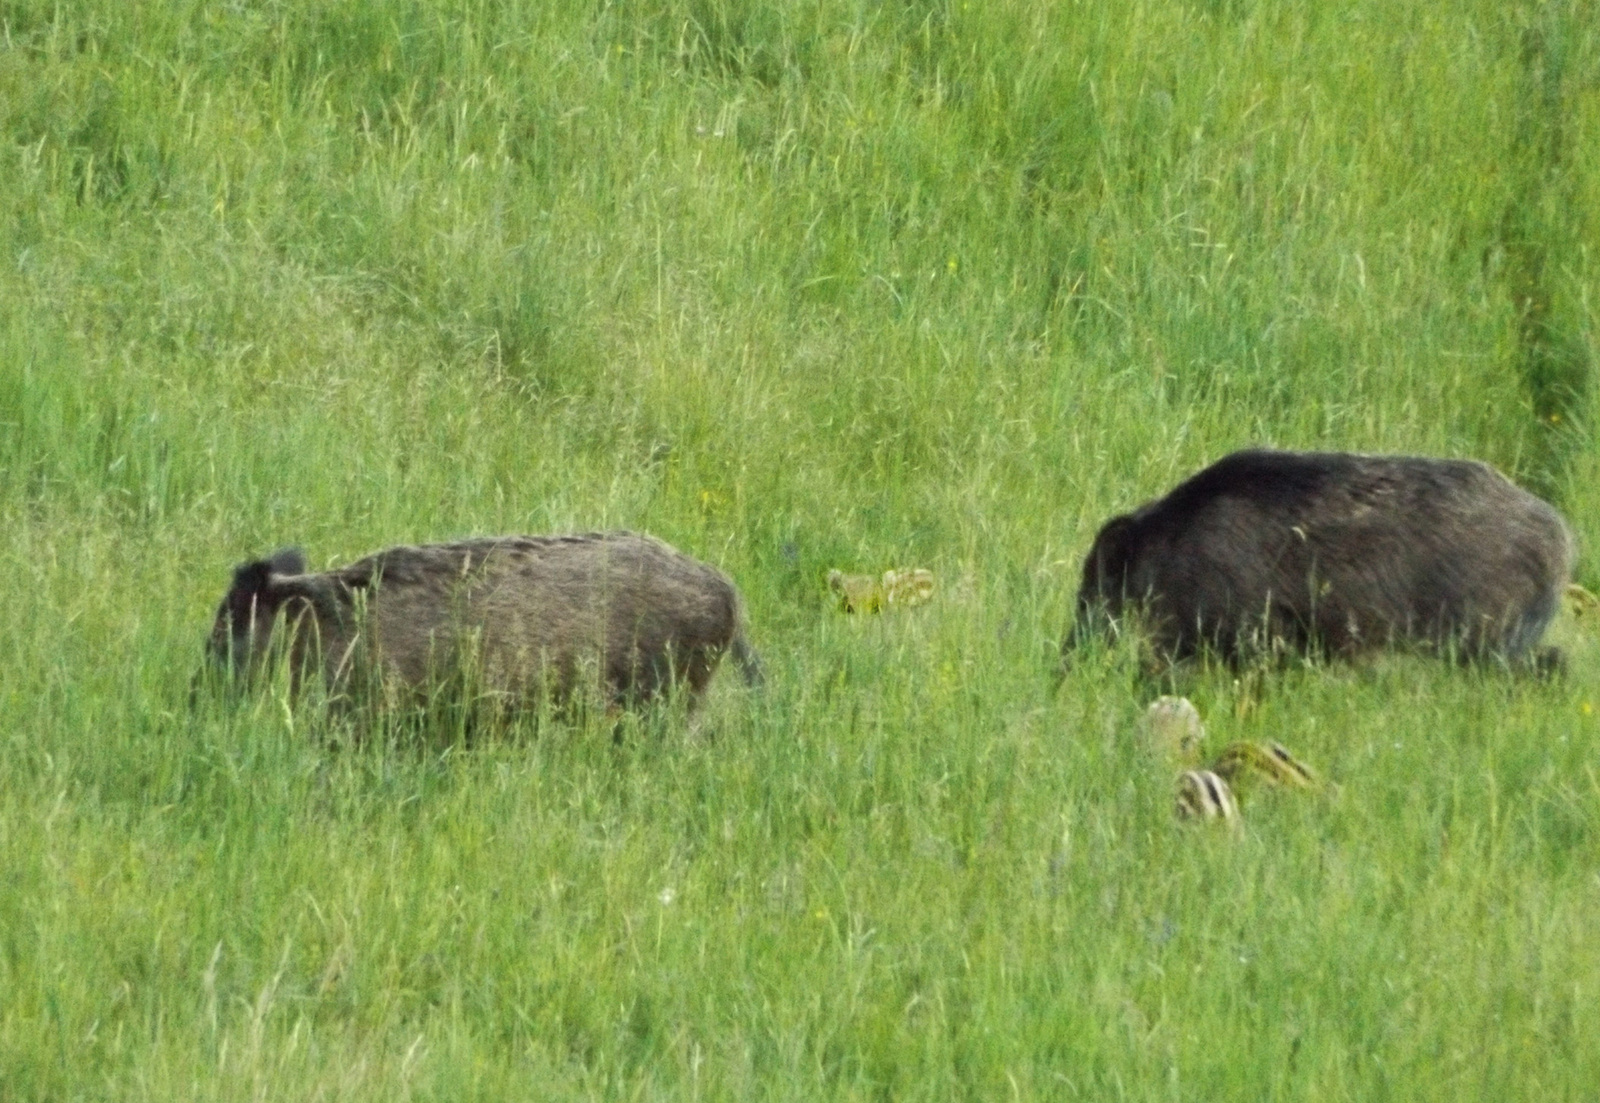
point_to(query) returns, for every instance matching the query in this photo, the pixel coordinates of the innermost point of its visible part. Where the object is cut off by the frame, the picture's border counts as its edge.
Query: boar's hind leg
(1547, 662)
(1529, 628)
(749, 662)
(696, 671)
(1522, 643)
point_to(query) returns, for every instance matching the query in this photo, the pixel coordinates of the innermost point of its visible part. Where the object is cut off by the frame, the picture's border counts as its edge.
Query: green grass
(794, 286)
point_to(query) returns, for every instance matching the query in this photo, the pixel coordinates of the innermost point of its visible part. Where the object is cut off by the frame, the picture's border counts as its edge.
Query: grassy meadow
(794, 286)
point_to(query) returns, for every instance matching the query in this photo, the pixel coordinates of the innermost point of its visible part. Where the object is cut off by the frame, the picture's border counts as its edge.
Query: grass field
(795, 286)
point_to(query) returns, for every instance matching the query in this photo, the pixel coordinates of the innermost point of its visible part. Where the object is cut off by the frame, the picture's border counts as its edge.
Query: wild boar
(1334, 554)
(615, 614)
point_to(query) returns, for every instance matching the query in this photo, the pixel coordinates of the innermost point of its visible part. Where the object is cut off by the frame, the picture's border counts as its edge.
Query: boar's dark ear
(288, 561)
(249, 586)
(1110, 557)
(250, 579)
(252, 583)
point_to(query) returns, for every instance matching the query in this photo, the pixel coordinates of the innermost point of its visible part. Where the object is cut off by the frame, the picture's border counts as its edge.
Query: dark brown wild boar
(1332, 553)
(616, 614)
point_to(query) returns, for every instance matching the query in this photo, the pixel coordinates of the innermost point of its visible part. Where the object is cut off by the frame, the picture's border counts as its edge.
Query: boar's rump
(1333, 553)
(616, 613)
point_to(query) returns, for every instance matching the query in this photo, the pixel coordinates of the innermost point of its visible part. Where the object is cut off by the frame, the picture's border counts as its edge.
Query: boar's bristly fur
(1331, 553)
(619, 614)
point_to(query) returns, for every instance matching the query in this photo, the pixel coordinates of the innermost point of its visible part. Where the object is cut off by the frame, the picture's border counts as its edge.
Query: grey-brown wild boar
(1332, 553)
(615, 614)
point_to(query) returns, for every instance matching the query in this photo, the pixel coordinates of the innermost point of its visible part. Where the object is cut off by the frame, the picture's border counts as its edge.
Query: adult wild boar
(1332, 553)
(617, 614)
